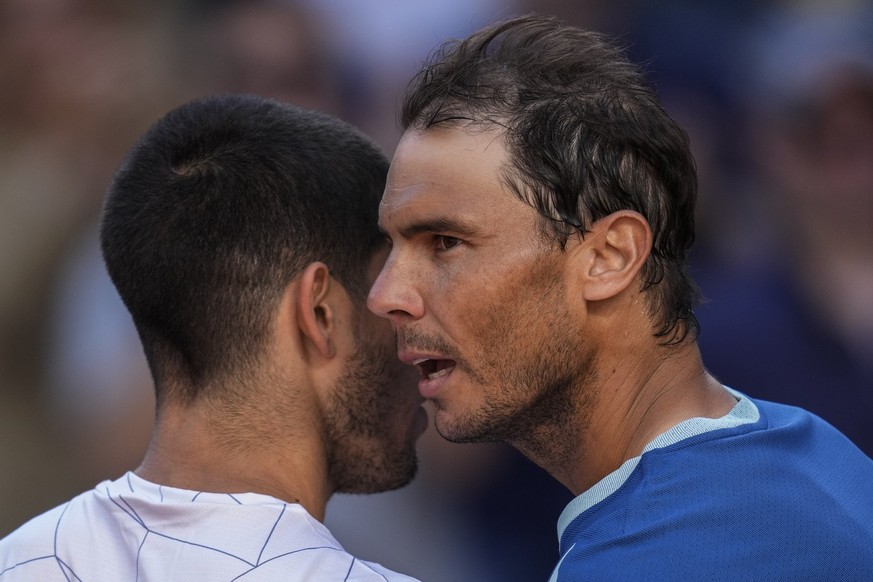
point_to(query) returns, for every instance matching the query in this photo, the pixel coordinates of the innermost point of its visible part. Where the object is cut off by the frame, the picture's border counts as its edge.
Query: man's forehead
(415, 210)
(443, 171)
(410, 199)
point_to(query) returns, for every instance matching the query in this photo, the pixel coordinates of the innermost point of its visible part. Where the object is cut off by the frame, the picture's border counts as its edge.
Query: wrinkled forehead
(451, 182)
(445, 167)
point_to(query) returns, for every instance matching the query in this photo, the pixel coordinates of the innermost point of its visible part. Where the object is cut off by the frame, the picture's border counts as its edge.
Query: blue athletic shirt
(767, 492)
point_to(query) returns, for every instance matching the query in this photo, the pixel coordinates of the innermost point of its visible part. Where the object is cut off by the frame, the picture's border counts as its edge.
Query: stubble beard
(538, 398)
(545, 407)
(364, 455)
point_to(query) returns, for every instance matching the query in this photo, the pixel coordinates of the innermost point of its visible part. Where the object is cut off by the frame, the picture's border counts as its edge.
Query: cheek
(377, 330)
(521, 309)
(508, 312)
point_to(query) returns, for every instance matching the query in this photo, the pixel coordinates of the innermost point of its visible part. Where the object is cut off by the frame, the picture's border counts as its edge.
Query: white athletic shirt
(137, 531)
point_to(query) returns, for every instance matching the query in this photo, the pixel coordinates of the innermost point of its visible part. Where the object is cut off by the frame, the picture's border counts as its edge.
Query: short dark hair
(216, 209)
(586, 136)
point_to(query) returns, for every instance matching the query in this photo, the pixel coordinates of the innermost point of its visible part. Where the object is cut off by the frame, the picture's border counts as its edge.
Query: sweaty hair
(216, 209)
(586, 137)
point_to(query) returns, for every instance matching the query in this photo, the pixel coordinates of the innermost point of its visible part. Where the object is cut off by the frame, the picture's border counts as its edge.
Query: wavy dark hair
(216, 209)
(586, 136)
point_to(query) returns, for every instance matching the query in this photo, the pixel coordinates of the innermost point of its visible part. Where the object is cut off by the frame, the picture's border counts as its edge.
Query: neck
(618, 413)
(195, 448)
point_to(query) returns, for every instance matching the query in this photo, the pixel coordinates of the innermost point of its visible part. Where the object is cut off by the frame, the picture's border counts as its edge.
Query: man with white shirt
(241, 234)
(540, 205)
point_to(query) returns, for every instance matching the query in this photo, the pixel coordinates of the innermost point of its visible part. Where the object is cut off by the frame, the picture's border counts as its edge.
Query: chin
(484, 425)
(365, 472)
(463, 431)
(368, 485)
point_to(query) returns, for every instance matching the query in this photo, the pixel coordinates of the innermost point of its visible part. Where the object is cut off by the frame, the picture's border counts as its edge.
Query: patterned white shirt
(137, 531)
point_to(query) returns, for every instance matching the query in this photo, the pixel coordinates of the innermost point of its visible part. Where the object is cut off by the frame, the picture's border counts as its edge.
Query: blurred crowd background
(776, 95)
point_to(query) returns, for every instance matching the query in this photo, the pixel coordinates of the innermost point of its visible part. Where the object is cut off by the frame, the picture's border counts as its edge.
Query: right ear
(316, 317)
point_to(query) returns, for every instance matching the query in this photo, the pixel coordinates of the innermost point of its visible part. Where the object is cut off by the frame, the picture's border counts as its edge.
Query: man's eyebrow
(438, 225)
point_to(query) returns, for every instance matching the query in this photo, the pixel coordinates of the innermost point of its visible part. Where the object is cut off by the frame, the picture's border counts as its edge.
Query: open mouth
(433, 369)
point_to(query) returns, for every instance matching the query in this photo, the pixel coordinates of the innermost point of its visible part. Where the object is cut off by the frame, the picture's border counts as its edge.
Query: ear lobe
(616, 249)
(315, 316)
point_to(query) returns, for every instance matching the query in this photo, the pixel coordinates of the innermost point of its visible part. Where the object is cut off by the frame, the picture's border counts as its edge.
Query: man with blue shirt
(540, 206)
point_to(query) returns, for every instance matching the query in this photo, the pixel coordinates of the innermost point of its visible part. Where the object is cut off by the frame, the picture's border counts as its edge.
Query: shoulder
(44, 547)
(783, 485)
(363, 571)
(304, 546)
(789, 454)
(795, 435)
(28, 553)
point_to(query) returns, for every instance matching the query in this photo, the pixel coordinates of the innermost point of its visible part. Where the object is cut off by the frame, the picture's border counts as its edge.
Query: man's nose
(394, 294)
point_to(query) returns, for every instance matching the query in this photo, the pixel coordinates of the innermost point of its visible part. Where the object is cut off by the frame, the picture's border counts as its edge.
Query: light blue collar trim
(744, 412)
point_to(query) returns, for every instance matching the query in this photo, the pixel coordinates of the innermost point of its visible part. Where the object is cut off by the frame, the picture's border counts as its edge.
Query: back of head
(215, 210)
(586, 137)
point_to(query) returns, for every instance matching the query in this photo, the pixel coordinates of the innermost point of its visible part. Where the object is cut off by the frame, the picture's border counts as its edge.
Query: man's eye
(445, 243)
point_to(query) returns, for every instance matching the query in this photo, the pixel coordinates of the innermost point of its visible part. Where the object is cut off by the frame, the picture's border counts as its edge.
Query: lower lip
(430, 388)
